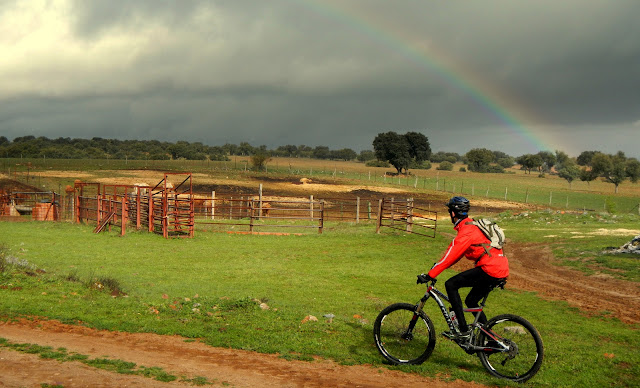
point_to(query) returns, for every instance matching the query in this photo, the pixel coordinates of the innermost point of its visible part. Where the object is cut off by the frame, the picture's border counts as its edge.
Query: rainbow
(498, 103)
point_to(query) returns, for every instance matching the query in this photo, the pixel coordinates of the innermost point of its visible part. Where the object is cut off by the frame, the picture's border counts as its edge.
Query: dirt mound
(9, 185)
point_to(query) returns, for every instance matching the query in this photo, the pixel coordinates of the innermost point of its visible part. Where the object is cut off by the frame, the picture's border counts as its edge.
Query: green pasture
(539, 192)
(211, 287)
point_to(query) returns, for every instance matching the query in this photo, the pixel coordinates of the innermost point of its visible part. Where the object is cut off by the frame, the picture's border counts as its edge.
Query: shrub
(445, 166)
(424, 165)
(377, 163)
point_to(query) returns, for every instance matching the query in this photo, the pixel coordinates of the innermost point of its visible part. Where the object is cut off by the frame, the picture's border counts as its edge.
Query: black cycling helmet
(459, 206)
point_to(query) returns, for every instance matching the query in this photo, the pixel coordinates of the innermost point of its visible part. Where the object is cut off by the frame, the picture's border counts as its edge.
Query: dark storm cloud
(324, 72)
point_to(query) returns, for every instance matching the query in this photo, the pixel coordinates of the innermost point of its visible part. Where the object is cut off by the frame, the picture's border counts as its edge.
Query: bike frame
(438, 297)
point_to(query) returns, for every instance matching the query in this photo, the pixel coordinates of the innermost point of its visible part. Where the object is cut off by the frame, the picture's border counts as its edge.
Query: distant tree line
(399, 151)
(99, 148)
(407, 151)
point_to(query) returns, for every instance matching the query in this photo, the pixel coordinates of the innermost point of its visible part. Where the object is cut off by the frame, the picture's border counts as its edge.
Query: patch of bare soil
(10, 185)
(222, 367)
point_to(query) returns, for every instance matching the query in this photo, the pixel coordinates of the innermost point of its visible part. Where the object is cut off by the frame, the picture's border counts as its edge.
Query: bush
(445, 166)
(424, 165)
(377, 163)
(462, 169)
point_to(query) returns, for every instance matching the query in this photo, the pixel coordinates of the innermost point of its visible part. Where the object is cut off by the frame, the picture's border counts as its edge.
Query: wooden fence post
(321, 218)
(150, 215)
(260, 203)
(357, 210)
(252, 209)
(409, 215)
(124, 217)
(379, 216)
(213, 205)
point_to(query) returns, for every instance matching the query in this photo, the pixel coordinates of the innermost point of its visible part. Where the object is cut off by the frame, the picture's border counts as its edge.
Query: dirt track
(532, 270)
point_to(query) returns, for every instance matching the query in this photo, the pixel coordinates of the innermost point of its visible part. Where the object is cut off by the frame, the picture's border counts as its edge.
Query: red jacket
(468, 243)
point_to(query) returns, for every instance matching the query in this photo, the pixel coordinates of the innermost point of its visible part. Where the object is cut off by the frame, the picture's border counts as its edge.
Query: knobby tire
(524, 357)
(394, 343)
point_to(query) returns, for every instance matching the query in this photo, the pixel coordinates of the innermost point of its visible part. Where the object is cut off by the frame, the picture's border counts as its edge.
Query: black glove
(423, 278)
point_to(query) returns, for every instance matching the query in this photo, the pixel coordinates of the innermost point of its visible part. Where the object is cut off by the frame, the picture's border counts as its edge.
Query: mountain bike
(508, 346)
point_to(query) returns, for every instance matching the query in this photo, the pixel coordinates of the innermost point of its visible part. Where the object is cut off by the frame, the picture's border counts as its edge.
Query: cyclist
(491, 265)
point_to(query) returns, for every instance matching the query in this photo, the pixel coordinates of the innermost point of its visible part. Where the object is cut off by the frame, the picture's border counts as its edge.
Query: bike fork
(412, 324)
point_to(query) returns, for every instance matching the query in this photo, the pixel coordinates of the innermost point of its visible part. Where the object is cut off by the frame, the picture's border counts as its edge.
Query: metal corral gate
(256, 213)
(165, 208)
(403, 215)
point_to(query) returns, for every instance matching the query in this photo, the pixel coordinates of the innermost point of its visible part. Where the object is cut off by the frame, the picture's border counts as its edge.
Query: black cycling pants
(481, 284)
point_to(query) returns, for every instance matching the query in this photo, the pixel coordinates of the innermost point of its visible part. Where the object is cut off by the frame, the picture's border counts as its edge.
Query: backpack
(492, 231)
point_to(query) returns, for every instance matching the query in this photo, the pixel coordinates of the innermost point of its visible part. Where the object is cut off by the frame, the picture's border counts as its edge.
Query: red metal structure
(42, 206)
(165, 208)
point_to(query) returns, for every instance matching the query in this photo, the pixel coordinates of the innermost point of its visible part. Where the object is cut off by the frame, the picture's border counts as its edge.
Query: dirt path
(532, 270)
(222, 367)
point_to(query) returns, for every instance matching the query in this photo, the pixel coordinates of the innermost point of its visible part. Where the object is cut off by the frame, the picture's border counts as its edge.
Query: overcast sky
(515, 76)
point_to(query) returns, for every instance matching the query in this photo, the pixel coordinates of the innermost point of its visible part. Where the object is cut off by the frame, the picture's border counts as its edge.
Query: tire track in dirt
(533, 268)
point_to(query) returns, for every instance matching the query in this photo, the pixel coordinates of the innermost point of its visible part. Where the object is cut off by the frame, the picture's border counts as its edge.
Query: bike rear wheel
(523, 358)
(399, 340)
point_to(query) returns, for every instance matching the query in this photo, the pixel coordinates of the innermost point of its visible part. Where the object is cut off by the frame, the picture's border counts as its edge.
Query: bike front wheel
(404, 336)
(523, 351)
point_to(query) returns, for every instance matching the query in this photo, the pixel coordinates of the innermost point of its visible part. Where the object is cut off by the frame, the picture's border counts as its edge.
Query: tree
(246, 149)
(287, 150)
(392, 148)
(584, 159)
(479, 159)
(633, 169)
(569, 171)
(259, 160)
(506, 162)
(561, 159)
(611, 167)
(344, 154)
(419, 148)
(530, 161)
(321, 152)
(587, 175)
(366, 155)
(548, 159)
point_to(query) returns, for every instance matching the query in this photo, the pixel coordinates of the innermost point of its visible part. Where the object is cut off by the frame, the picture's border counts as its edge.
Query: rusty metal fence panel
(256, 215)
(405, 216)
(165, 209)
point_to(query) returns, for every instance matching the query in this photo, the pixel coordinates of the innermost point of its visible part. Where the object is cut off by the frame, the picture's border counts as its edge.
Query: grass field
(211, 287)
